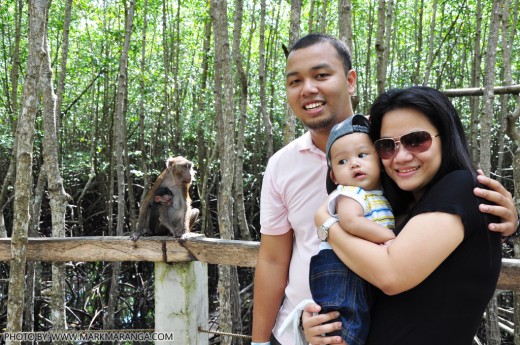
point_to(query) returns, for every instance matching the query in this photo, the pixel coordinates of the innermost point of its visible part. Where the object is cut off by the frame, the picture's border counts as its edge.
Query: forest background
(96, 94)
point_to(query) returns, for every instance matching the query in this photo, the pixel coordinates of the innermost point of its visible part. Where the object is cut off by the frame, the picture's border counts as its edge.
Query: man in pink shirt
(319, 84)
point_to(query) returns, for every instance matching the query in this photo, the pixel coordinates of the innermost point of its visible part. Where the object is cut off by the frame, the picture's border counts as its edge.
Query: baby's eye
(343, 161)
(362, 155)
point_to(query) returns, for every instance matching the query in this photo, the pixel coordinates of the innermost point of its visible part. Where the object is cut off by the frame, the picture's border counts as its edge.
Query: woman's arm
(412, 257)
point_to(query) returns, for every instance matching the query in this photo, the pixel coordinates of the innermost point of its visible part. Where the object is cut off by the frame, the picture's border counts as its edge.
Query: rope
(225, 333)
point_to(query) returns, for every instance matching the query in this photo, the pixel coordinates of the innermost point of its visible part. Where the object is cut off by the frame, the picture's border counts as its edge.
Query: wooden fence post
(181, 301)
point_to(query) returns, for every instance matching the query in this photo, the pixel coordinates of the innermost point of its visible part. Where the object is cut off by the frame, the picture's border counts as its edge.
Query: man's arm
(271, 272)
(504, 207)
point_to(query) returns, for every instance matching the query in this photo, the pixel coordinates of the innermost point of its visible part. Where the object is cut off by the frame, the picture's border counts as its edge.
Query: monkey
(167, 206)
(163, 200)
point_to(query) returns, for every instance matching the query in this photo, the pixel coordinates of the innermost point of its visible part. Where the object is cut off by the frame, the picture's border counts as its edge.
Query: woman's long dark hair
(442, 115)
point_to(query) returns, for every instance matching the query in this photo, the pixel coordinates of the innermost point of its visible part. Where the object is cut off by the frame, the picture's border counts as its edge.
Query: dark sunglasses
(414, 142)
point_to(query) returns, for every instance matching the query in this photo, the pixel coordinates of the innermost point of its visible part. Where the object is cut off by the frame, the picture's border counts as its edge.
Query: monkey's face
(166, 200)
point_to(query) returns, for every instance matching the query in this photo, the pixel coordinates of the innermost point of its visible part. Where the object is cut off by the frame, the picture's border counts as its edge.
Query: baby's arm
(352, 219)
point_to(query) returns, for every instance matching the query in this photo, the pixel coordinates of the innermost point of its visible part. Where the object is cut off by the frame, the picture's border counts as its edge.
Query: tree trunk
(475, 82)
(228, 291)
(514, 133)
(508, 36)
(119, 138)
(380, 46)
(431, 45)
(63, 67)
(58, 196)
(294, 33)
(345, 22)
(241, 79)
(206, 157)
(24, 156)
(323, 19)
(419, 8)
(492, 329)
(13, 110)
(33, 277)
(268, 128)
(142, 109)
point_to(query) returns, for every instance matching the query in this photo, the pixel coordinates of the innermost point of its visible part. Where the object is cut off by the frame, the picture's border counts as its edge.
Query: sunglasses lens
(385, 148)
(417, 142)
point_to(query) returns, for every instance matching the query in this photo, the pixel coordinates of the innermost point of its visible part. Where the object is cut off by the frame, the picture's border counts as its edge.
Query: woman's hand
(504, 207)
(314, 327)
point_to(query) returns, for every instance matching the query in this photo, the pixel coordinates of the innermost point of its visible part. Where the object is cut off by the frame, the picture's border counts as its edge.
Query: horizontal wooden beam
(154, 249)
(167, 249)
(479, 91)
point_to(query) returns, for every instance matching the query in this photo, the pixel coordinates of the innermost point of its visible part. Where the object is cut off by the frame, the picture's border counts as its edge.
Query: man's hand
(504, 207)
(314, 327)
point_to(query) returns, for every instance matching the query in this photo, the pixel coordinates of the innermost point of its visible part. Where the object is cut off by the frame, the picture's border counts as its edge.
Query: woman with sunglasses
(432, 285)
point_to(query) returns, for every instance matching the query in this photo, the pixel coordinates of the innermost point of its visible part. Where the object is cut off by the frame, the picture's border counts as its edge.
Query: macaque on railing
(167, 206)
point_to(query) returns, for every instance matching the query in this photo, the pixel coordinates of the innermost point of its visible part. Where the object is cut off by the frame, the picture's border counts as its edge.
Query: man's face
(318, 91)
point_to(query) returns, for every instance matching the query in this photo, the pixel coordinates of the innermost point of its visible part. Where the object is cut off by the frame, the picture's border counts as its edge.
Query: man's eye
(343, 161)
(322, 75)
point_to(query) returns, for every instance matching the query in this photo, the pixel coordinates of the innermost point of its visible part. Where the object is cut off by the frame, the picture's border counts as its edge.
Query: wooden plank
(102, 248)
(509, 275)
(223, 252)
(167, 249)
(154, 249)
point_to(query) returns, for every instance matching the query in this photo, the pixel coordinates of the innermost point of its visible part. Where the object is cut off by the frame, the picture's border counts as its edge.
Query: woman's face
(411, 171)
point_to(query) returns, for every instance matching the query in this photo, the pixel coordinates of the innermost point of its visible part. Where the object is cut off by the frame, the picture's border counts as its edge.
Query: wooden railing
(167, 249)
(186, 314)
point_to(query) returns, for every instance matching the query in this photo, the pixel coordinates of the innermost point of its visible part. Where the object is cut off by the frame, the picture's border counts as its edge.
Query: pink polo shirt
(293, 188)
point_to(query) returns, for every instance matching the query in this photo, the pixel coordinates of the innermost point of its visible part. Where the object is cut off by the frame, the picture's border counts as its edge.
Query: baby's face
(355, 162)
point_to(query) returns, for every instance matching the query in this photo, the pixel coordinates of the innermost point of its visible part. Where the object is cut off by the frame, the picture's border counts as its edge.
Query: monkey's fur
(167, 206)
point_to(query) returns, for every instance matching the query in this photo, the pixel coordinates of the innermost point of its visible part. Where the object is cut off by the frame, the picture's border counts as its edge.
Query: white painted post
(181, 302)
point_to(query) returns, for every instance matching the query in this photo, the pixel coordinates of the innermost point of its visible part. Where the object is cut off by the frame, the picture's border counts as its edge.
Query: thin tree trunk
(345, 22)
(508, 36)
(13, 110)
(311, 16)
(492, 329)
(58, 196)
(268, 127)
(514, 133)
(204, 155)
(380, 46)
(24, 155)
(289, 131)
(475, 82)
(63, 66)
(119, 137)
(431, 45)
(241, 77)
(228, 291)
(33, 273)
(389, 13)
(142, 109)
(323, 19)
(419, 8)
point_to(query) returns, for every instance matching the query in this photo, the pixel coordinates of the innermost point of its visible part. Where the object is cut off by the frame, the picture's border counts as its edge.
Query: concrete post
(181, 302)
